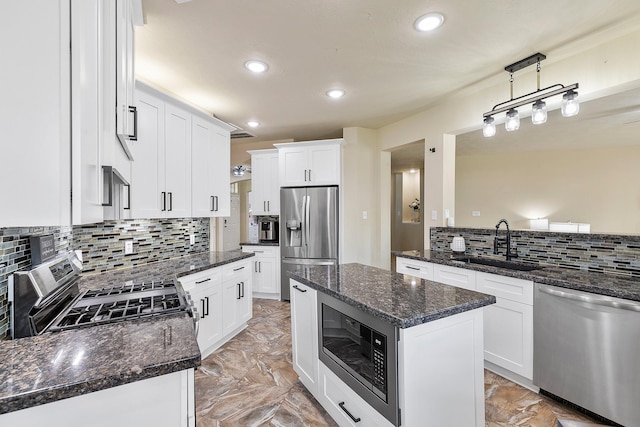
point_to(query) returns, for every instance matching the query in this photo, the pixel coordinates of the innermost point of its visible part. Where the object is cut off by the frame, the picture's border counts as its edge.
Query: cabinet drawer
(236, 270)
(201, 278)
(338, 398)
(421, 269)
(509, 288)
(454, 276)
(261, 251)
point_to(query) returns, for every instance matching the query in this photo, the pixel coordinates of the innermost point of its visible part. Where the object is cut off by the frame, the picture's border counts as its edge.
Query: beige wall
(596, 186)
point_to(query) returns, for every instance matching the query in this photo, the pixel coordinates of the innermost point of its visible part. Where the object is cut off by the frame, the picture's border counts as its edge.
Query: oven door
(361, 350)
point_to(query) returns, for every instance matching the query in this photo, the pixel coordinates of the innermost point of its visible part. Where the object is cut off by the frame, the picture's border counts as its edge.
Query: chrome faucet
(498, 241)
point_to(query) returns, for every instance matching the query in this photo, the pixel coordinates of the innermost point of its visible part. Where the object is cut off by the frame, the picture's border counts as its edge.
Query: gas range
(47, 298)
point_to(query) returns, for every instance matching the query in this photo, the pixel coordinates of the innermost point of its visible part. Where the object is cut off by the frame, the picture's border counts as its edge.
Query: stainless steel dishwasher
(587, 351)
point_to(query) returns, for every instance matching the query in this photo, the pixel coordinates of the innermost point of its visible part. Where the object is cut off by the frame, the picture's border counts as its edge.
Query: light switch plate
(364, 214)
(192, 239)
(434, 215)
(128, 247)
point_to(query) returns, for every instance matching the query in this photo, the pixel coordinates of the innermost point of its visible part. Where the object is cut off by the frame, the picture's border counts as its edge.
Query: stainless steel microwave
(362, 351)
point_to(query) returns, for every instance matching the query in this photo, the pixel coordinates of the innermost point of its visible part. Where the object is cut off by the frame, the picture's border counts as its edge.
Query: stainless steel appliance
(268, 230)
(309, 229)
(47, 298)
(586, 351)
(361, 350)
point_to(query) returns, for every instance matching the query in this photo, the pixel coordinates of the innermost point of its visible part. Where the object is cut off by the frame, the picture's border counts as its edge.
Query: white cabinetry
(266, 270)
(236, 297)
(304, 334)
(35, 113)
(127, 12)
(421, 269)
(309, 163)
(161, 174)
(508, 324)
(265, 187)
(163, 401)
(223, 298)
(210, 169)
(205, 289)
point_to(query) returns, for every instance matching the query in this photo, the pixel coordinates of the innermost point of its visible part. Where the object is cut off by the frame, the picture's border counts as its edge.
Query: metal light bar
(524, 63)
(528, 98)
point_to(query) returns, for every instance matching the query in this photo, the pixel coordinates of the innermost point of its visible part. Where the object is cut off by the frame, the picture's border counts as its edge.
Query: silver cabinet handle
(309, 175)
(264, 205)
(211, 204)
(259, 266)
(299, 289)
(268, 206)
(305, 175)
(346, 411)
(595, 300)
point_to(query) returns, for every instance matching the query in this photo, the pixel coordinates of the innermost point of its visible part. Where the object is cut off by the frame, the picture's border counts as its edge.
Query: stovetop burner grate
(120, 303)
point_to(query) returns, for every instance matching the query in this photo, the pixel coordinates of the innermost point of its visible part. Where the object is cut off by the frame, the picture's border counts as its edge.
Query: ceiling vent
(239, 134)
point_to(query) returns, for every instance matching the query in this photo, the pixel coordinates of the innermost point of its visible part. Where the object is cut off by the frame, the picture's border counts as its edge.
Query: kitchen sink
(509, 265)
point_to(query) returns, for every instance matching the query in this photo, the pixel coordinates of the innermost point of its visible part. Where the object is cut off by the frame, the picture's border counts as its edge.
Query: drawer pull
(202, 281)
(346, 411)
(412, 268)
(301, 290)
(238, 269)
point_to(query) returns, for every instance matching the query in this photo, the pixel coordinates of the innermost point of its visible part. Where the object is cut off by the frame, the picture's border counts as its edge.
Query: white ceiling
(369, 48)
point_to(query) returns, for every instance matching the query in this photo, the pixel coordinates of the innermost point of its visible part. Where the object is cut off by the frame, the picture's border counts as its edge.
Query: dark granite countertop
(402, 300)
(581, 280)
(260, 244)
(59, 365)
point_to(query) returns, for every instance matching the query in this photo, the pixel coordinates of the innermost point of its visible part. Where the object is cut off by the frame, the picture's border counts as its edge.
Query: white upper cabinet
(35, 113)
(310, 163)
(265, 187)
(177, 162)
(210, 162)
(128, 14)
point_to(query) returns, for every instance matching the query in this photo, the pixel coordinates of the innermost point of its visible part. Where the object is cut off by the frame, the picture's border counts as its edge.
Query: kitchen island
(439, 367)
(112, 374)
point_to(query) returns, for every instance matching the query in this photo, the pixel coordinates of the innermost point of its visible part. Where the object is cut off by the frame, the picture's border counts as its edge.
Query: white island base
(440, 370)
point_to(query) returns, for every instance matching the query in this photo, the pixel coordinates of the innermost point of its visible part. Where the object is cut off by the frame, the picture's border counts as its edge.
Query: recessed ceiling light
(256, 66)
(335, 93)
(429, 22)
(253, 124)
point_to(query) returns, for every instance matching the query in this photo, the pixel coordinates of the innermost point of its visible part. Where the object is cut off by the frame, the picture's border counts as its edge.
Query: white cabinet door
(304, 334)
(220, 162)
(267, 275)
(508, 336)
(324, 164)
(265, 188)
(236, 296)
(35, 113)
(266, 270)
(203, 175)
(125, 75)
(177, 162)
(293, 166)
(147, 175)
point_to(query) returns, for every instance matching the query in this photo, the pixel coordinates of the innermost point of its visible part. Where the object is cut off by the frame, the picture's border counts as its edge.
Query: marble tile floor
(250, 382)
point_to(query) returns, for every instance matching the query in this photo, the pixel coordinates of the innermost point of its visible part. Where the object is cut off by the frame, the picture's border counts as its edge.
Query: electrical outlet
(364, 215)
(475, 213)
(128, 247)
(192, 239)
(434, 215)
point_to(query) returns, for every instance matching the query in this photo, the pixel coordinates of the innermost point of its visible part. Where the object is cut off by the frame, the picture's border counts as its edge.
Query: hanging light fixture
(570, 105)
(240, 170)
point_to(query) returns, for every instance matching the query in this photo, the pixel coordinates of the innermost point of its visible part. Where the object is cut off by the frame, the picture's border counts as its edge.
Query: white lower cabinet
(304, 334)
(223, 298)
(508, 324)
(266, 270)
(343, 404)
(236, 297)
(163, 401)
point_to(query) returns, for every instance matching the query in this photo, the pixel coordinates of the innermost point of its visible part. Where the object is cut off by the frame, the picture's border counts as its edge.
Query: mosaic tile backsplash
(602, 253)
(102, 247)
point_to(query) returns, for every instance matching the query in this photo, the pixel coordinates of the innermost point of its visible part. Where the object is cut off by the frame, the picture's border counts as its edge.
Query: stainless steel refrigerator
(308, 229)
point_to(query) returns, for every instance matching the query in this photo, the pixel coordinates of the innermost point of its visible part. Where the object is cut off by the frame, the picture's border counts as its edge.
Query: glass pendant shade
(489, 127)
(539, 112)
(512, 122)
(570, 105)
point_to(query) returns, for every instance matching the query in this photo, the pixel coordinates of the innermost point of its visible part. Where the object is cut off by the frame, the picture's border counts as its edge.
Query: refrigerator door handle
(307, 261)
(307, 216)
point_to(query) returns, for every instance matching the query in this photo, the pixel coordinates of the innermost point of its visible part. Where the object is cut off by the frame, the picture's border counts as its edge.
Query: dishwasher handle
(630, 306)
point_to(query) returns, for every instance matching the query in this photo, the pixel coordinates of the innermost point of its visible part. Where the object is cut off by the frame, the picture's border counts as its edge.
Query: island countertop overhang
(404, 301)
